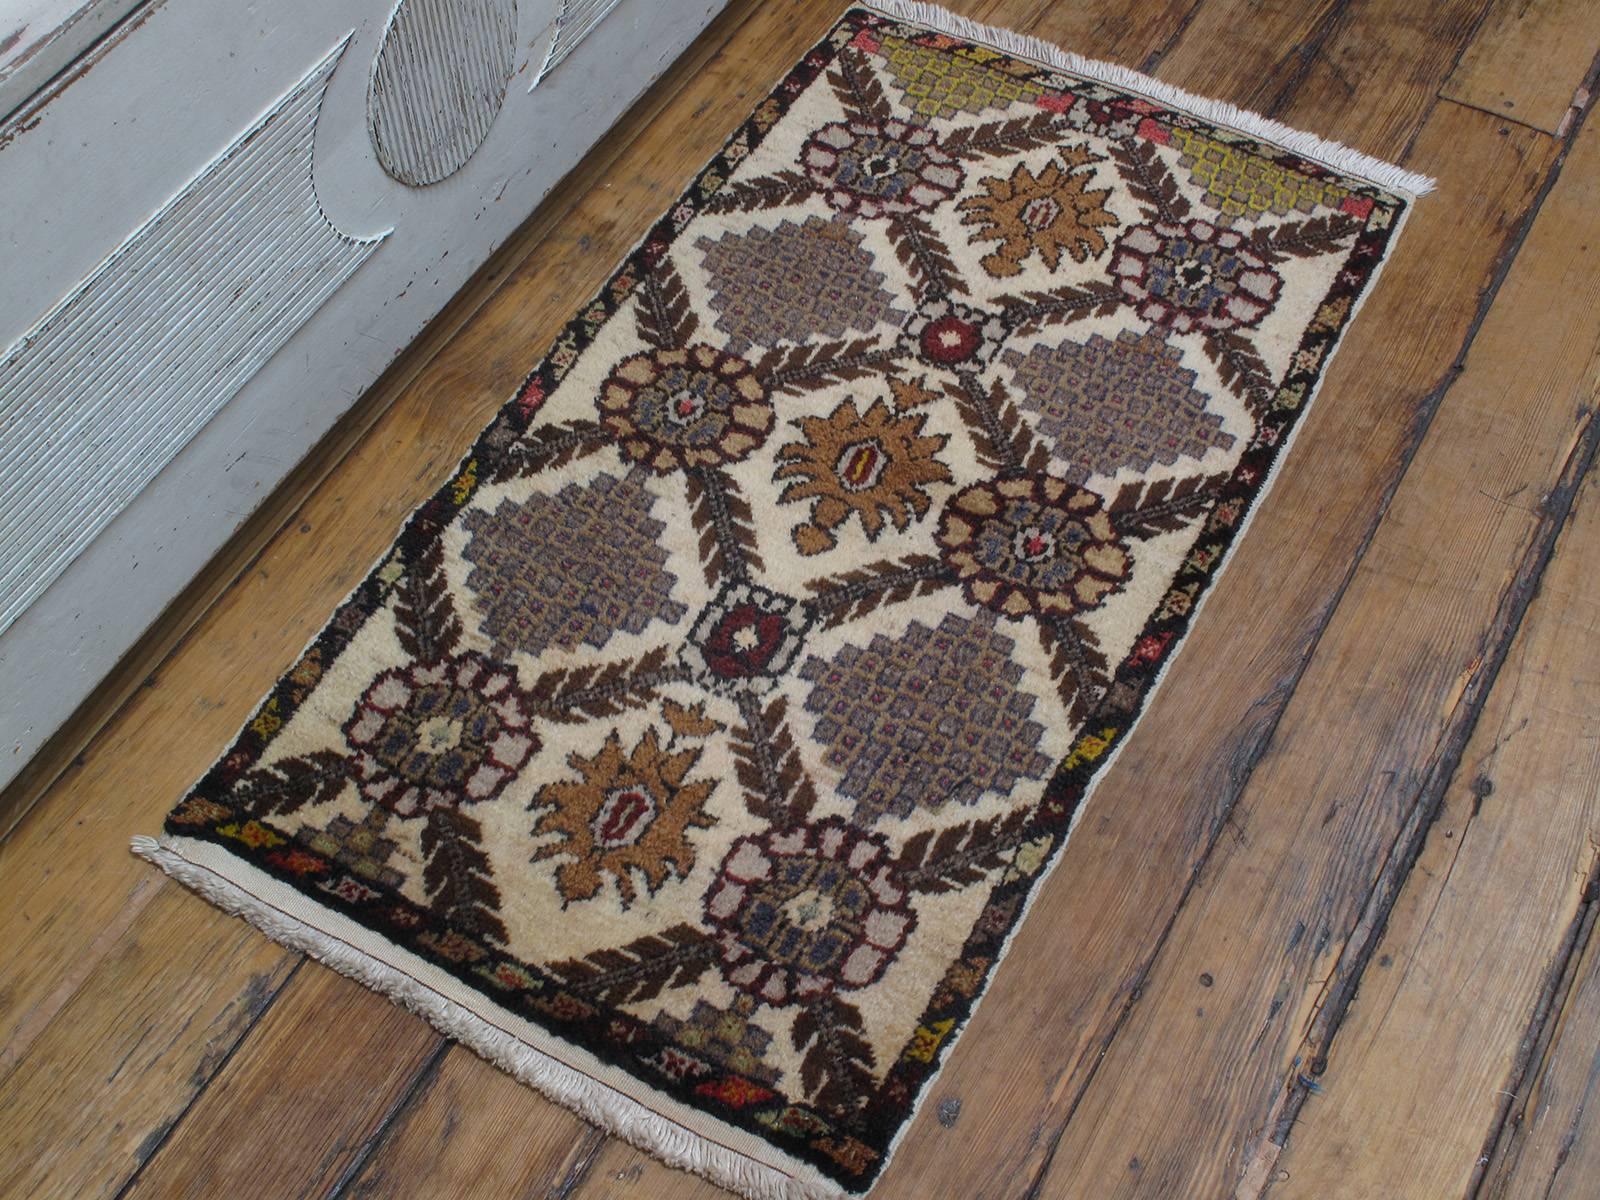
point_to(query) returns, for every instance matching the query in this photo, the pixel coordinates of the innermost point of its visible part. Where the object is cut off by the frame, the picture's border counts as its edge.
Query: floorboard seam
(1305, 54)
(418, 1085)
(1498, 116)
(1153, 59)
(152, 1146)
(1503, 1145)
(591, 1144)
(1407, 849)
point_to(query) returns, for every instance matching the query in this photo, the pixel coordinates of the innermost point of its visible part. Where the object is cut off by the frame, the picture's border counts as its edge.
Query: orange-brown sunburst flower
(1051, 212)
(874, 464)
(629, 813)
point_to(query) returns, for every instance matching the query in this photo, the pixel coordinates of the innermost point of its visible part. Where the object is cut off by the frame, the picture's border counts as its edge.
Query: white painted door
(220, 224)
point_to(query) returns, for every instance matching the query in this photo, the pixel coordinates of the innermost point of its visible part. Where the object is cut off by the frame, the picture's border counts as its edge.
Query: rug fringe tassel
(1339, 157)
(592, 1100)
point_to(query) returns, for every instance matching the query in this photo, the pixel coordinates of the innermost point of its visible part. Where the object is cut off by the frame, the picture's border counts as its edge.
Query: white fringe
(592, 1100)
(1333, 155)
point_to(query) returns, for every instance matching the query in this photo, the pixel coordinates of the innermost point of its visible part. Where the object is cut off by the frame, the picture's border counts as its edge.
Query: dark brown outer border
(621, 1040)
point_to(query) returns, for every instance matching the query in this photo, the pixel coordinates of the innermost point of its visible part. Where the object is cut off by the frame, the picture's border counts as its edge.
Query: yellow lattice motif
(941, 84)
(1244, 186)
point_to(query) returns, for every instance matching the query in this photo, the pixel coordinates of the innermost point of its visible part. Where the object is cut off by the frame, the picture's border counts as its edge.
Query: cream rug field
(696, 749)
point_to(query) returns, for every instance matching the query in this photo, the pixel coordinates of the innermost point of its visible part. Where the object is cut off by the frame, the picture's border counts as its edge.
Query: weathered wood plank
(289, 1114)
(78, 893)
(1364, 72)
(472, 1130)
(1249, 53)
(96, 1089)
(1391, 683)
(1376, 73)
(1528, 60)
(1134, 35)
(1485, 915)
(1552, 1147)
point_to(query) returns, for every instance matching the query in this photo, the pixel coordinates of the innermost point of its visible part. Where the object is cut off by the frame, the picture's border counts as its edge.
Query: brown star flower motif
(1034, 546)
(628, 813)
(691, 407)
(873, 464)
(1051, 213)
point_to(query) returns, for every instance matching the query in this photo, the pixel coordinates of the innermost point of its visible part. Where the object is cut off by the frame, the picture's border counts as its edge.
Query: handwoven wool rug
(696, 749)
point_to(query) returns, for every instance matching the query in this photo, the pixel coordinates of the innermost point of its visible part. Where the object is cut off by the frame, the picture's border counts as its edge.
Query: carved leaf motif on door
(438, 83)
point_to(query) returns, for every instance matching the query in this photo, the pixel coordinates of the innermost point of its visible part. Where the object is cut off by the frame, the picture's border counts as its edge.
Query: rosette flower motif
(880, 168)
(1194, 276)
(745, 639)
(802, 912)
(1033, 546)
(947, 333)
(442, 734)
(691, 407)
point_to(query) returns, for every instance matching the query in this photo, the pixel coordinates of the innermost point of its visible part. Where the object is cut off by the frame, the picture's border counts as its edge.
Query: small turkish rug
(696, 749)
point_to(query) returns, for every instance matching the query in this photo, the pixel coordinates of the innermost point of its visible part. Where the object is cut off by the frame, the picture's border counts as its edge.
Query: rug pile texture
(696, 749)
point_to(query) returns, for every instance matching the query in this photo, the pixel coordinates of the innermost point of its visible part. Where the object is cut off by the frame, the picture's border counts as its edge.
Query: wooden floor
(1328, 928)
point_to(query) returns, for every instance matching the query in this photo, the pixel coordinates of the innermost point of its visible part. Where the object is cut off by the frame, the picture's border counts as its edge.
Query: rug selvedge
(756, 660)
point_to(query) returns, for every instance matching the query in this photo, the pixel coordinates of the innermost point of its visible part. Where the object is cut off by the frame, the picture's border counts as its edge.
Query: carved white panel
(101, 394)
(86, 161)
(574, 23)
(438, 83)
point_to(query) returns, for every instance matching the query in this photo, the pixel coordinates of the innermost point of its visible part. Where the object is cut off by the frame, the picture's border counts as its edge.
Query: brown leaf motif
(289, 784)
(1051, 213)
(457, 877)
(626, 818)
(837, 1070)
(643, 968)
(425, 615)
(872, 465)
(666, 315)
